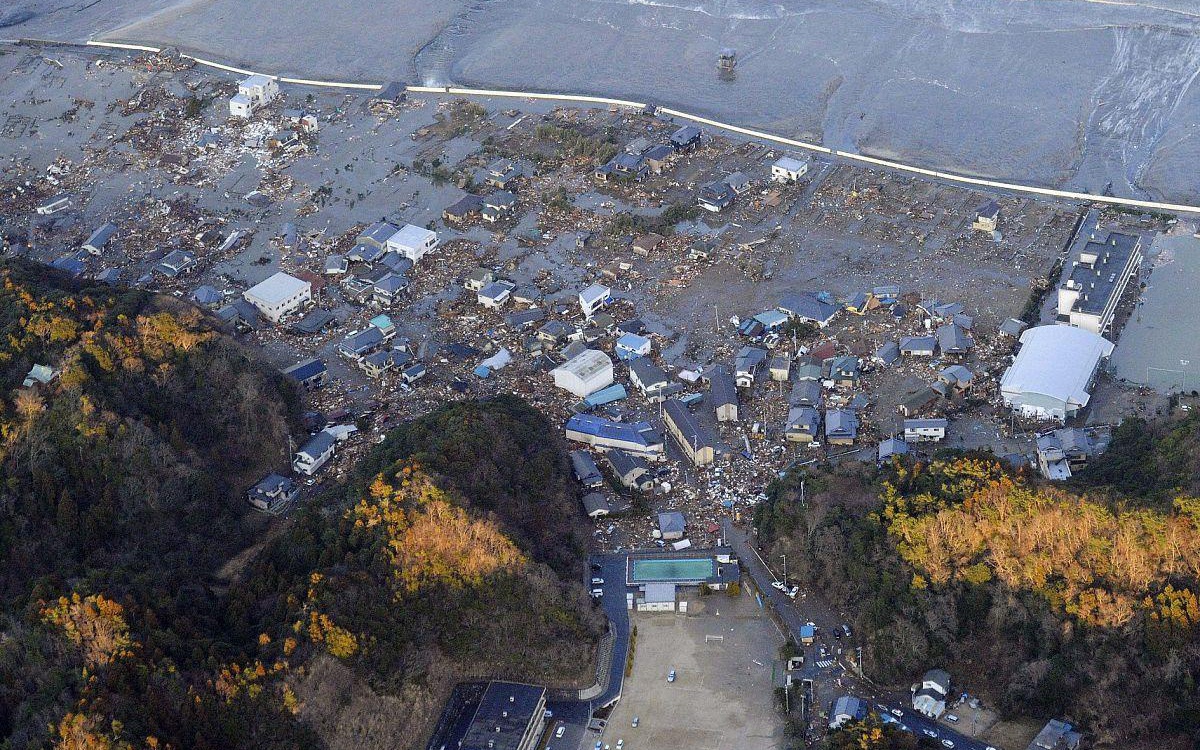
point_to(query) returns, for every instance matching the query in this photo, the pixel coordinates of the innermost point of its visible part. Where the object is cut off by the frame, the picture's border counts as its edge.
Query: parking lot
(722, 697)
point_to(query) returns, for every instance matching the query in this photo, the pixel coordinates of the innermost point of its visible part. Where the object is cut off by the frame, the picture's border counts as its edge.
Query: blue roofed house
(841, 427)
(638, 438)
(310, 373)
(631, 346)
(846, 709)
(671, 525)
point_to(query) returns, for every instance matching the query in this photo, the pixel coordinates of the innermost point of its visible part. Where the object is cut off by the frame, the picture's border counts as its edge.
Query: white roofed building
(279, 295)
(413, 242)
(1053, 373)
(253, 92)
(585, 373)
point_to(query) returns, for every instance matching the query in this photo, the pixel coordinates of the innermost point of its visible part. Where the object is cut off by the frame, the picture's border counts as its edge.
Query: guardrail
(763, 135)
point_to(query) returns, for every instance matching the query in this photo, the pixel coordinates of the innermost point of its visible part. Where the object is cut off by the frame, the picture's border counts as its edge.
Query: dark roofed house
(687, 138)
(273, 493)
(697, 442)
(463, 209)
(953, 339)
(631, 470)
(715, 197)
(807, 308)
(722, 393)
(585, 468)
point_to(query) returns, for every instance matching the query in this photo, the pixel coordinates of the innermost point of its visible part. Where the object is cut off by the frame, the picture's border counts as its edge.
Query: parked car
(597, 581)
(597, 593)
(778, 585)
(634, 723)
(846, 631)
(897, 712)
(951, 718)
(929, 732)
(561, 731)
(947, 743)
(671, 676)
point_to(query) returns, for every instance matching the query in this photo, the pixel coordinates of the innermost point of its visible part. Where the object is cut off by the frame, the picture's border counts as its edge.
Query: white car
(951, 718)
(561, 731)
(634, 724)
(947, 743)
(929, 733)
(897, 712)
(793, 591)
(778, 585)
(597, 581)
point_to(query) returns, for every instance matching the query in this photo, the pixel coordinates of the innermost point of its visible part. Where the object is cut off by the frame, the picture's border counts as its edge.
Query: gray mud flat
(1064, 93)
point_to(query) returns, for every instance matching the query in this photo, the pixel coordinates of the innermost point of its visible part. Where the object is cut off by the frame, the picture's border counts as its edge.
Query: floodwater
(1159, 346)
(1065, 93)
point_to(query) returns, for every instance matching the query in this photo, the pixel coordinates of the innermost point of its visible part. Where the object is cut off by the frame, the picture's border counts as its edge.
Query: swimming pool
(673, 570)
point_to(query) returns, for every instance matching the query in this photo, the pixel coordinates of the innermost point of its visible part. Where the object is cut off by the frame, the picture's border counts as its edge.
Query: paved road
(834, 678)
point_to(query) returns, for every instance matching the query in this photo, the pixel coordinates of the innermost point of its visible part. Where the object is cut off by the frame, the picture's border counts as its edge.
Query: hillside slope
(121, 492)
(1045, 602)
(458, 552)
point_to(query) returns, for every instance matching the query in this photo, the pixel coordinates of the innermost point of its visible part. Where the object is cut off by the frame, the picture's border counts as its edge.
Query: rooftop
(277, 288)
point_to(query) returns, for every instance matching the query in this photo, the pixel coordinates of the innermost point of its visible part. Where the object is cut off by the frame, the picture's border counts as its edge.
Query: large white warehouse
(1053, 373)
(279, 295)
(585, 373)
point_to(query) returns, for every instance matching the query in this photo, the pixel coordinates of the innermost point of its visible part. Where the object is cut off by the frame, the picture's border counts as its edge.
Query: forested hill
(1047, 602)
(458, 552)
(121, 492)
(455, 551)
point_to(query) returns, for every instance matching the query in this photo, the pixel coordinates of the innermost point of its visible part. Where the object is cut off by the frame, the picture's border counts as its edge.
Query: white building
(930, 696)
(315, 453)
(413, 242)
(788, 169)
(278, 295)
(924, 430)
(584, 374)
(1099, 276)
(1052, 375)
(254, 92)
(593, 298)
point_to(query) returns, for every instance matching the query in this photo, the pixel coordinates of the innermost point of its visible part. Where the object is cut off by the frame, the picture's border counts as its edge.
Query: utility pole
(784, 569)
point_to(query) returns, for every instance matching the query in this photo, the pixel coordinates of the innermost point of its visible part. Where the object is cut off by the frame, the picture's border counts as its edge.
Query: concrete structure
(788, 169)
(593, 299)
(279, 295)
(924, 430)
(413, 242)
(584, 373)
(253, 92)
(511, 716)
(657, 597)
(1052, 375)
(697, 443)
(314, 454)
(1099, 274)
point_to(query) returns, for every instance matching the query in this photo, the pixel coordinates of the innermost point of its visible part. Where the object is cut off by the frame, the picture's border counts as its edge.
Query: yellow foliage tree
(95, 624)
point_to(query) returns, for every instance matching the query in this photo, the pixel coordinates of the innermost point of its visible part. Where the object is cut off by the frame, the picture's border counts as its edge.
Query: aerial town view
(599, 375)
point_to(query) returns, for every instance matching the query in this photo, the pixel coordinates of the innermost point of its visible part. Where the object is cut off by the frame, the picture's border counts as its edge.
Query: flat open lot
(722, 697)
